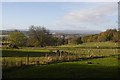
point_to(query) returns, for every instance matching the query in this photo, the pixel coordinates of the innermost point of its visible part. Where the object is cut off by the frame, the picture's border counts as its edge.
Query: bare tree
(38, 36)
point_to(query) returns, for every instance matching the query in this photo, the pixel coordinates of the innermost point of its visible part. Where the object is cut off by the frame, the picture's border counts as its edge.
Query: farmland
(84, 62)
(60, 41)
(101, 68)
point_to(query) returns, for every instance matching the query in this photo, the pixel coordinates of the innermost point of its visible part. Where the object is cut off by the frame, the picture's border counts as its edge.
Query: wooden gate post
(27, 60)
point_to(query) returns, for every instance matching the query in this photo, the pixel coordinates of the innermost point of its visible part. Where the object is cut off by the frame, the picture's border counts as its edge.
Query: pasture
(100, 68)
(78, 61)
(94, 45)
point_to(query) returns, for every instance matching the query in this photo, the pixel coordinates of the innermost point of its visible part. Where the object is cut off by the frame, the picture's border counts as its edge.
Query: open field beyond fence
(61, 62)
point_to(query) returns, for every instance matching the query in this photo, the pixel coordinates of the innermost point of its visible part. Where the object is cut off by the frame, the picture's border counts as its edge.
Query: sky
(60, 15)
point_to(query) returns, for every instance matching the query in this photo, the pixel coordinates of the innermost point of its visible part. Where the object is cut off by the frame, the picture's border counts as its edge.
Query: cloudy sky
(60, 15)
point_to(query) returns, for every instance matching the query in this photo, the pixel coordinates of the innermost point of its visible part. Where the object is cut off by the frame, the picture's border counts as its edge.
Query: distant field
(100, 68)
(94, 44)
(51, 51)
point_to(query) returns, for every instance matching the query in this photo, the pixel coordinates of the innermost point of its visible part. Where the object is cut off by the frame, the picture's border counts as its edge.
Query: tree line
(38, 36)
(108, 35)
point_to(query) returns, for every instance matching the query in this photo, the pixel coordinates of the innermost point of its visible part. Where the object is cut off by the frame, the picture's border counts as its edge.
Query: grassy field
(94, 44)
(100, 68)
(106, 67)
(24, 53)
(51, 51)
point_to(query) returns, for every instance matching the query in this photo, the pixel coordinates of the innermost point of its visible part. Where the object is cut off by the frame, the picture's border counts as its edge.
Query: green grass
(101, 67)
(107, 68)
(93, 44)
(51, 51)
(24, 53)
(36, 51)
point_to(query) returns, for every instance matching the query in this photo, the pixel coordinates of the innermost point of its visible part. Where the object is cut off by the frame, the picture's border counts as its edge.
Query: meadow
(73, 61)
(100, 68)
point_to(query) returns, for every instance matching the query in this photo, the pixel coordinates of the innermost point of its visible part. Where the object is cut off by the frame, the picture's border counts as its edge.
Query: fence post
(21, 63)
(3, 62)
(46, 55)
(27, 60)
(60, 56)
(89, 53)
(99, 52)
(46, 58)
(68, 56)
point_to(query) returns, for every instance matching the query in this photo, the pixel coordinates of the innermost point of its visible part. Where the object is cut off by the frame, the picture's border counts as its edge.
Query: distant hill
(5, 32)
(76, 31)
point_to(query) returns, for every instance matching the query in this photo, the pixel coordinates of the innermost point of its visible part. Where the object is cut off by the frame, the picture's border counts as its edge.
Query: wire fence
(60, 56)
